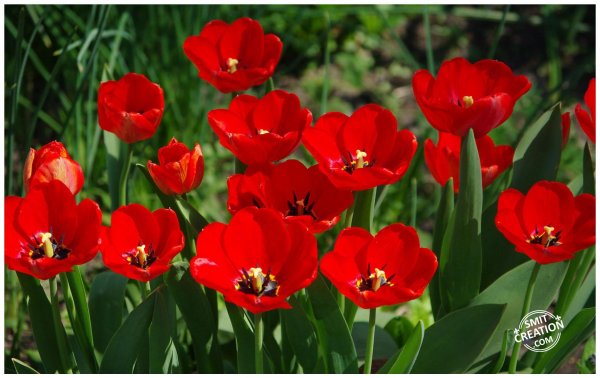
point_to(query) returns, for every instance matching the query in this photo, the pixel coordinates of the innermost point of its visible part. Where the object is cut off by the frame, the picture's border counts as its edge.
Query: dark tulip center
(374, 281)
(547, 238)
(356, 161)
(45, 244)
(141, 256)
(301, 207)
(254, 281)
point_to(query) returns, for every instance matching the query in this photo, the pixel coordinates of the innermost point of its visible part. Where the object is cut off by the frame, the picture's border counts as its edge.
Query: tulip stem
(514, 358)
(370, 342)
(124, 175)
(258, 341)
(56, 320)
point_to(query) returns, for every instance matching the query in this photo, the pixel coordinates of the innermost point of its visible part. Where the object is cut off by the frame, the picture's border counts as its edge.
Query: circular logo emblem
(539, 331)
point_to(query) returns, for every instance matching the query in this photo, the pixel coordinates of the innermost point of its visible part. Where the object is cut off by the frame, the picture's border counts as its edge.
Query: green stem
(428, 44)
(258, 341)
(144, 289)
(580, 275)
(348, 215)
(364, 201)
(56, 320)
(124, 175)
(370, 341)
(512, 367)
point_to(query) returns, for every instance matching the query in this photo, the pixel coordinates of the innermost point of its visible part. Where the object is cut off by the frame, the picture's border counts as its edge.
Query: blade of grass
(326, 63)
(499, 32)
(428, 45)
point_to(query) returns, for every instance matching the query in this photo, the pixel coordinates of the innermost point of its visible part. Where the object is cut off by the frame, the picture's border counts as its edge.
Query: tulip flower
(586, 120)
(46, 233)
(443, 159)
(362, 151)
(256, 261)
(179, 169)
(260, 131)
(464, 96)
(131, 107)
(234, 57)
(52, 162)
(386, 269)
(300, 194)
(547, 224)
(140, 244)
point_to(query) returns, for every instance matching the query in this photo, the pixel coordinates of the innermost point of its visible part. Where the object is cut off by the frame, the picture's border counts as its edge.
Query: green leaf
(461, 248)
(114, 151)
(124, 347)
(22, 368)
(582, 295)
(408, 354)
(578, 329)
(451, 344)
(244, 339)
(400, 328)
(588, 171)
(384, 346)
(510, 289)
(300, 335)
(163, 357)
(106, 306)
(334, 335)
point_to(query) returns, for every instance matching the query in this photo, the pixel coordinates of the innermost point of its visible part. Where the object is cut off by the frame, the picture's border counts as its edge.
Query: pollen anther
(232, 65)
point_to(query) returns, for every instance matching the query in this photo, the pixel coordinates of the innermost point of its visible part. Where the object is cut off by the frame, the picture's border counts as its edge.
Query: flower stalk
(258, 342)
(370, 341)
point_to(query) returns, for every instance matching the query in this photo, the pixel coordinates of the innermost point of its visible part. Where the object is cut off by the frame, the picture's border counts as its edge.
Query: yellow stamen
(258, 278)
(141, 254)
(360, 157)
(262, 131)
(232, 65)
(468, 101)
(47, 243)
(379, 279)
(547, 234)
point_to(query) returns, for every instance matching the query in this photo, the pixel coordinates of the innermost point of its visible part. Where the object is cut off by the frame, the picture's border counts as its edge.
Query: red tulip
(260, 131)
(130, 107)
(587, 121)
(300, 194)
(566, 127)
(179, 170)
(386, 269)
(140, 244)
(234, 57)
(46, 233)
(443, 160)
(256, 261)
(361, 151)
(547, 224)
(52, 162)
(464, 96)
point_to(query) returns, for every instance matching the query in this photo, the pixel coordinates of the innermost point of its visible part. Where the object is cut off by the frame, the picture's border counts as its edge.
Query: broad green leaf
(400, 328)
(582, 295)
(452, 343)
(405, 360)
(161, 331)
(461, 248)
(115, 150)
(106, 307)
(124, 347)
(442, 218)
(244, 340)
(22, 368)
(588, 171)
(332, 330)
(576, 331)
(300, 335)
(510, 290)
(384, 346)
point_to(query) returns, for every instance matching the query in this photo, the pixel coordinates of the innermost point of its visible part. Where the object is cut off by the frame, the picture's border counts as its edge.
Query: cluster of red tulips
(268, 252)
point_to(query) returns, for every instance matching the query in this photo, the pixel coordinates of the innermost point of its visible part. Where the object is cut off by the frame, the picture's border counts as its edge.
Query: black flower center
(45, 244)
(547, 238)
(301, 207)
(141, 256)
(356, 161)
(374, 281)
(254, 281)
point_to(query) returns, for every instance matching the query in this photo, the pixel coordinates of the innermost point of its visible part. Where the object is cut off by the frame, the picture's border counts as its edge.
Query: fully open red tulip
(547, 224)
(52, 162)
(130, 107)
(443, 159)
(586, 120)
(256, 261)
(381, 270)
(260, 131)
(140, 244)
(46, 233)
(361, 151)
(179, 170)
(234, 57)
(300, 194)
(464, 96)
(566, 127)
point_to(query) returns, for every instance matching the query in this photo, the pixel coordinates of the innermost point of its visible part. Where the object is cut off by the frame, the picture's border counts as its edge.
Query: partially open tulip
(547, 224)
(260, 131)
(362, 151)
(464, 96)
(300, 194)
(234, 57)
(257, 261)
(131, 107)
(586, 120)
(140, 244)
(52, 162)
(179, 169)
(46, 233)
(443, 159)
(386, 269)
